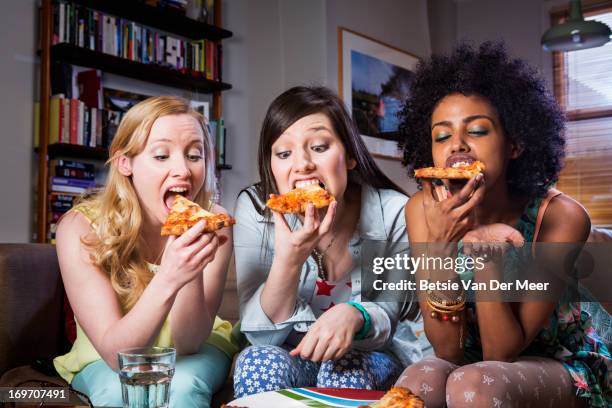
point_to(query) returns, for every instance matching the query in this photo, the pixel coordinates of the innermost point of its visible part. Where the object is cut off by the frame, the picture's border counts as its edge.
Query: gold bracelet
(445, 312)
(439, 299)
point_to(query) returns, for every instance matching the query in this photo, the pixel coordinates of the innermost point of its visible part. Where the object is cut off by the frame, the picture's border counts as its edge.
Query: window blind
(583, 87)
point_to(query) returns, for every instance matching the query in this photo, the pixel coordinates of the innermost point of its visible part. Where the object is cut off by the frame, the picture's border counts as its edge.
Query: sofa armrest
(31, 298)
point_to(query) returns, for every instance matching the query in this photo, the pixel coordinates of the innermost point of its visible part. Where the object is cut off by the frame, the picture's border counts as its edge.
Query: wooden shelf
(75, 151)
(164, 19)
(158, 74)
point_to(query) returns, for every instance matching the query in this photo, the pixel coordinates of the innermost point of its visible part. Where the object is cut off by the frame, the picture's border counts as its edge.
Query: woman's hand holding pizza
(331, 336)
(294, 247)
(448, 220)
(186, 256)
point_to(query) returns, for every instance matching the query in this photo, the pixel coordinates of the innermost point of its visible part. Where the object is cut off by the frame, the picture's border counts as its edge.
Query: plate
(309, 397)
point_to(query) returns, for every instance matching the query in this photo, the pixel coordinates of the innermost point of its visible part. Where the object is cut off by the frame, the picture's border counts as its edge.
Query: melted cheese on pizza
(398, 397)
(296, 200)
(459, 172)
(185, 213)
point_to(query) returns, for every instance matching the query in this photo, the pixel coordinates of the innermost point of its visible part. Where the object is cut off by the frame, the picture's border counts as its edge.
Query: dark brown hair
(301, 101)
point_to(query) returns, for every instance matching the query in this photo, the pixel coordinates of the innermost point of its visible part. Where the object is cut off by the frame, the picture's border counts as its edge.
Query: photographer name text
(492, 285)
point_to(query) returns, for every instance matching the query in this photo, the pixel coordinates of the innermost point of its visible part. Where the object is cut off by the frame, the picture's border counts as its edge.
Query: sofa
(33, 311)
(32, 317)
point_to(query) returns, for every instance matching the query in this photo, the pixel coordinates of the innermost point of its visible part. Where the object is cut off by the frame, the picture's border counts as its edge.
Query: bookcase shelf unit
(157, 74)
(163, 19)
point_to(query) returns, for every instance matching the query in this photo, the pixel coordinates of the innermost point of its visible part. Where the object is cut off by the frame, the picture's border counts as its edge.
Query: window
(583, 87)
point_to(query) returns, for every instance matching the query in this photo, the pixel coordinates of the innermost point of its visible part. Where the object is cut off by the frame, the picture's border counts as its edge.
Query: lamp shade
(576, 33)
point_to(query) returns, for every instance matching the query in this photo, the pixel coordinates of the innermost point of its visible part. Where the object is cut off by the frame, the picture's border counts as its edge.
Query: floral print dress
(569, 338)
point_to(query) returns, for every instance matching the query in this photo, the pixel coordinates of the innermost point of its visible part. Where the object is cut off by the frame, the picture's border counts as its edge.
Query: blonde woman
(131, 287)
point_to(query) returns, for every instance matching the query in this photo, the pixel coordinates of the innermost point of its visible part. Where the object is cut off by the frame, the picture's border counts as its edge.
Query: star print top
(329, 294)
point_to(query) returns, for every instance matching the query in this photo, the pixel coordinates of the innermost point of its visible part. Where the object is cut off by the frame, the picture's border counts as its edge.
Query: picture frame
(374, 80)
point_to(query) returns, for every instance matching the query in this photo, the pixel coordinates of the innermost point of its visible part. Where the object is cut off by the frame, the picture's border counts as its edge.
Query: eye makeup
(478, 130)
(441, 136)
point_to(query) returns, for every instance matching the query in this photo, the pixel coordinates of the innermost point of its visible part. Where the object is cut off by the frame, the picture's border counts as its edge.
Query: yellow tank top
(84, 353)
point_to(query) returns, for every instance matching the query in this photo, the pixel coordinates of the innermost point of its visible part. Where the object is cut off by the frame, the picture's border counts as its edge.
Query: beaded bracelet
(367, 321)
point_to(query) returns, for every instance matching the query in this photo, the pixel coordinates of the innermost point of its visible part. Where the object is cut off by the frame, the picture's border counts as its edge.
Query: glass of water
(145, 374)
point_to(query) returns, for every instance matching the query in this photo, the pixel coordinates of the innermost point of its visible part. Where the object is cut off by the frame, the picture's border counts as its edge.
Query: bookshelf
(160, 19)
(157, 74)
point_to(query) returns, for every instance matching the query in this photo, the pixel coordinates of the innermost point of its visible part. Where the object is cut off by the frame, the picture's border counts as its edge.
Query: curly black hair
(529, 115)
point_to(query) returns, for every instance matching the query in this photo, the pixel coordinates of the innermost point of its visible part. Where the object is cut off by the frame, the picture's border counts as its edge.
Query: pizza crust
(296, 200)
(184, 214)
(461, 172)
(398, 397)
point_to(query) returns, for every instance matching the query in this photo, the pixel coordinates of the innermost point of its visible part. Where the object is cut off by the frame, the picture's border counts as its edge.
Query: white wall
(17, 73)
(276, 44)
(400, 23)
(442, 19)
(519, 23)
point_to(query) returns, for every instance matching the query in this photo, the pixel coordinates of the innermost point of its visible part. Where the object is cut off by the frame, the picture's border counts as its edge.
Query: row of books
(70, 185)
(68, 180)
(59, 204)
(71, 121)
(71, 169)
(96, 31)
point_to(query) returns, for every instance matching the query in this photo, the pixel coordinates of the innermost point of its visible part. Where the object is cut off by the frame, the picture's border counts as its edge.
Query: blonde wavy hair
(116, 246)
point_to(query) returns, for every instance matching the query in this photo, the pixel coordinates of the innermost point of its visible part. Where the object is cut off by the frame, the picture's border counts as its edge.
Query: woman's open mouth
(459, 160)
(309, 183)
(171, 193)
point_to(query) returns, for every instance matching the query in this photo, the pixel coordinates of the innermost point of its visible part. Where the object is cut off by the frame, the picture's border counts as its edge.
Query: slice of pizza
(296, 200)
(459, 171)
(184, 214)
(398, 397)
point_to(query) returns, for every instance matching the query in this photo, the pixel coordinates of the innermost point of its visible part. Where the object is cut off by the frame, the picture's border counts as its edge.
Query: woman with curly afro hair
(478, 104)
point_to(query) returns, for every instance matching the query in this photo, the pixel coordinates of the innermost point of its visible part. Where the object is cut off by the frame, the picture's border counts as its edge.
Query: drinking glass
(145, 374)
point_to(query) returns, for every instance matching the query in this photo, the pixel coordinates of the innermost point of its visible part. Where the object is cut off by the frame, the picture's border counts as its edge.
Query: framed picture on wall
(374, 80)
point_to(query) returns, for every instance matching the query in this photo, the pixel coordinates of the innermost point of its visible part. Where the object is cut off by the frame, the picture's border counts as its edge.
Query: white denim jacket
(381, 219)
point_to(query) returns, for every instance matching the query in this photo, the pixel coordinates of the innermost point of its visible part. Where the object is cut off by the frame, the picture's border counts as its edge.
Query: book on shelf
(58, 171)
(60, 206)
(210, 11)
(70, 185)
(201, 10)
(90, 87)
(72, 164)
(63, 197)
(68, 189)
(93, 30)
(71, 121)
(74, 182)
(218, 135)
(121, 100)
